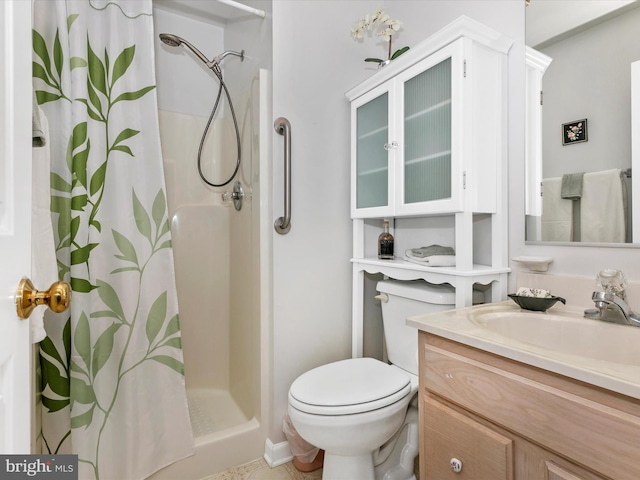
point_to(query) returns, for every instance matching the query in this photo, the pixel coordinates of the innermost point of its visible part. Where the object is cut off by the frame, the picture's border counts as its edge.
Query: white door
(15, 223)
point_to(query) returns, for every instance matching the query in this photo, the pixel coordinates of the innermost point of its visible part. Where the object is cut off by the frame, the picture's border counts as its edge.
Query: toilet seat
(350, 386)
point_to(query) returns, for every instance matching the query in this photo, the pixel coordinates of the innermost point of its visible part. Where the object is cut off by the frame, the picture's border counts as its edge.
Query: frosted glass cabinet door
(427, 134)
(428, 101)
(372, 181)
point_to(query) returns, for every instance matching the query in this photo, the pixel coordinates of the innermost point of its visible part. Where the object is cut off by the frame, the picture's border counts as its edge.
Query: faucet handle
(612, 281)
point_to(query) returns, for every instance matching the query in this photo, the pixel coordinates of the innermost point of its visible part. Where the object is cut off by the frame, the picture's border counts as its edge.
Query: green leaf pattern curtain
(111, 367)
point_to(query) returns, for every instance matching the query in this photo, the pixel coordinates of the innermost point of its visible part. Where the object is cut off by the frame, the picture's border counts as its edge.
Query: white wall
(315, 63)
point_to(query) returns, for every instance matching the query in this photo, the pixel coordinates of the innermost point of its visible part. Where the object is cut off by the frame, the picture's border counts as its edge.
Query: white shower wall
(186, 85)
(217, 249)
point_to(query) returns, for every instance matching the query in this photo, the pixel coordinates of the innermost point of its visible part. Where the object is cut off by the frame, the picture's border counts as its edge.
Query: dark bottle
(385, 243)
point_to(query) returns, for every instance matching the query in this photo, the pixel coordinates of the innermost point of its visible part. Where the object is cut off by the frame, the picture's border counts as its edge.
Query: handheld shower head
(171, 40)
(176, 41)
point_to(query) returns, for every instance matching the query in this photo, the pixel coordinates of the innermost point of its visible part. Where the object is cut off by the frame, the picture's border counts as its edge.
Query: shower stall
(221, 249)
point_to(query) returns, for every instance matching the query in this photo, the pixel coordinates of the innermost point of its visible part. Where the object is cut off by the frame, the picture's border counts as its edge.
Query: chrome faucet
(613, 308)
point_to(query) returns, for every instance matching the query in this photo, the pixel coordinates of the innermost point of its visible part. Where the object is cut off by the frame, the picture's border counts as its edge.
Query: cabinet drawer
(483, 453)
(578, 428)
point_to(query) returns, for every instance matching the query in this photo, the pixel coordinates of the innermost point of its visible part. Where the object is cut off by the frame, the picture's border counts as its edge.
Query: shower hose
(218, 73)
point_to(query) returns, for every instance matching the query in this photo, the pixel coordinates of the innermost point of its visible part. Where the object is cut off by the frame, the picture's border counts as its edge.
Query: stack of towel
(431, 256)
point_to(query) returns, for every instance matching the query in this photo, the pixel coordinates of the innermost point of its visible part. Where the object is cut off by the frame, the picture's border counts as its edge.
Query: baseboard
(277, 454)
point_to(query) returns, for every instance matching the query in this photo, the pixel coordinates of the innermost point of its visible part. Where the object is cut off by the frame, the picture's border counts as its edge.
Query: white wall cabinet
(427, 140)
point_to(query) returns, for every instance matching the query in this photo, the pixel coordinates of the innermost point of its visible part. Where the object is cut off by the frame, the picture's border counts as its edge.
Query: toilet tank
(406, 299)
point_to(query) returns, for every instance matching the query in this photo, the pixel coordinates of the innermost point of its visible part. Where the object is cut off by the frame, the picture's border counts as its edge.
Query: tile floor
(259, 470)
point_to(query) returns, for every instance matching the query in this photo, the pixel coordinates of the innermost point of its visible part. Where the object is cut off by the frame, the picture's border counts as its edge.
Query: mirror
(580, 59)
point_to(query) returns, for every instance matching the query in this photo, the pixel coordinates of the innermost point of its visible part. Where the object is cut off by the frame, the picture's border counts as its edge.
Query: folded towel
(602, 207)
(37, 132)
(557, 213)
(431, 260)
(571, 188)
(424, 252)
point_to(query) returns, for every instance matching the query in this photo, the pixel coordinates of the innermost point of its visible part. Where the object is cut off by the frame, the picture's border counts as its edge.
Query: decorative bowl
(537, 304)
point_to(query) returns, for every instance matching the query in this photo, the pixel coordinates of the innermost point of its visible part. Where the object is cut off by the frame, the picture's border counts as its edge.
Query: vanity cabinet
(428, 140)
(519, 422)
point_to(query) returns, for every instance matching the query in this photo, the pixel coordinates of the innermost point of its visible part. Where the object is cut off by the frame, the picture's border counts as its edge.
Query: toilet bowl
(363, 412)
(367, 406)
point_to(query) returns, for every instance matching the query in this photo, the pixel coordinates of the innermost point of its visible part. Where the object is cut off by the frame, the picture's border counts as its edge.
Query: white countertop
(596, 369)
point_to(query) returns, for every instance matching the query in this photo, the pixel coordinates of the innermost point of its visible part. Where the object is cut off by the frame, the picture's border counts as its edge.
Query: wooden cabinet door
(555, 472)
(448, 435)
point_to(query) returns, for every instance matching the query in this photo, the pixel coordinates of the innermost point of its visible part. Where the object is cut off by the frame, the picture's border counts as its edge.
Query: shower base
(212, 410)
(224, 437)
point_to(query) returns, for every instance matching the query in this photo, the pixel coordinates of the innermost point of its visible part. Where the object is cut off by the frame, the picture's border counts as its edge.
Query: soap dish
(536, 304)
(535, 264)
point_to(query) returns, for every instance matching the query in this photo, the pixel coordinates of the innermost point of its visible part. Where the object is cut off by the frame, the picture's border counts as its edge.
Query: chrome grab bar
(283, 127)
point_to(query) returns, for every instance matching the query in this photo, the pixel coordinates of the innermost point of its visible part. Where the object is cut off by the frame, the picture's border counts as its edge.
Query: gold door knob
(57, 298)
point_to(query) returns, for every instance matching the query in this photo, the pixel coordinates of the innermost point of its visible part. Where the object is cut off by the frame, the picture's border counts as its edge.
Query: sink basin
(560, 340)
(567, 333)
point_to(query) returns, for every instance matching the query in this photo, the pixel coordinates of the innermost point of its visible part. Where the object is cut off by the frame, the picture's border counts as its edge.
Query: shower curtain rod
(242, 6)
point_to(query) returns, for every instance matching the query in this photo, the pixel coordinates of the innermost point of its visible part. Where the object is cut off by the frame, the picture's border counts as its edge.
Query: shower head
(171, 40)
(176, 41)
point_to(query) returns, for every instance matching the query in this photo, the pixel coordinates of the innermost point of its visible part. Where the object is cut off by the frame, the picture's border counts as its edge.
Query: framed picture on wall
(574, 132)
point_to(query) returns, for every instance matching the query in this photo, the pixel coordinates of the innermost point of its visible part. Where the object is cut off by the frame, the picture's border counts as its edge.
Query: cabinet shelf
(404, 270)
(373, 171)
(428, 110)
(426, 158)
(377, 131)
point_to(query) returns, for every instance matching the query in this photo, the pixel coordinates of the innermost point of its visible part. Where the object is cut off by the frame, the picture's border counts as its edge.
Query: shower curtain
(111, 367)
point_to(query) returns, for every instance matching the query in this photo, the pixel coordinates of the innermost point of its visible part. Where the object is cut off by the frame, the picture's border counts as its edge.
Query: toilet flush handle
(383, 297)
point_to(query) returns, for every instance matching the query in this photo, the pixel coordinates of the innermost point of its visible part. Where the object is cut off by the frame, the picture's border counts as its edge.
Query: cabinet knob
(456, 465)
(390, 146)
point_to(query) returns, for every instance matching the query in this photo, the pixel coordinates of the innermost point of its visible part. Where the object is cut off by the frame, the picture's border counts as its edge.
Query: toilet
(364, 412)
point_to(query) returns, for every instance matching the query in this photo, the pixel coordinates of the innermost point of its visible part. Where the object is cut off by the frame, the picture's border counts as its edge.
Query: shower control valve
(235, 196)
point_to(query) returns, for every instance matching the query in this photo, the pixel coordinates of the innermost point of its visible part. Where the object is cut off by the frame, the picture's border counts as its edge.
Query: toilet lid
(350, 386)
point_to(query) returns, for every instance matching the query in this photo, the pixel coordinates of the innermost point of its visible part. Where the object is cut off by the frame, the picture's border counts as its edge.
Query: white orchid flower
(382, 18)
(383, 25)
(394, 24)
(386, 34)
(357, 30)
